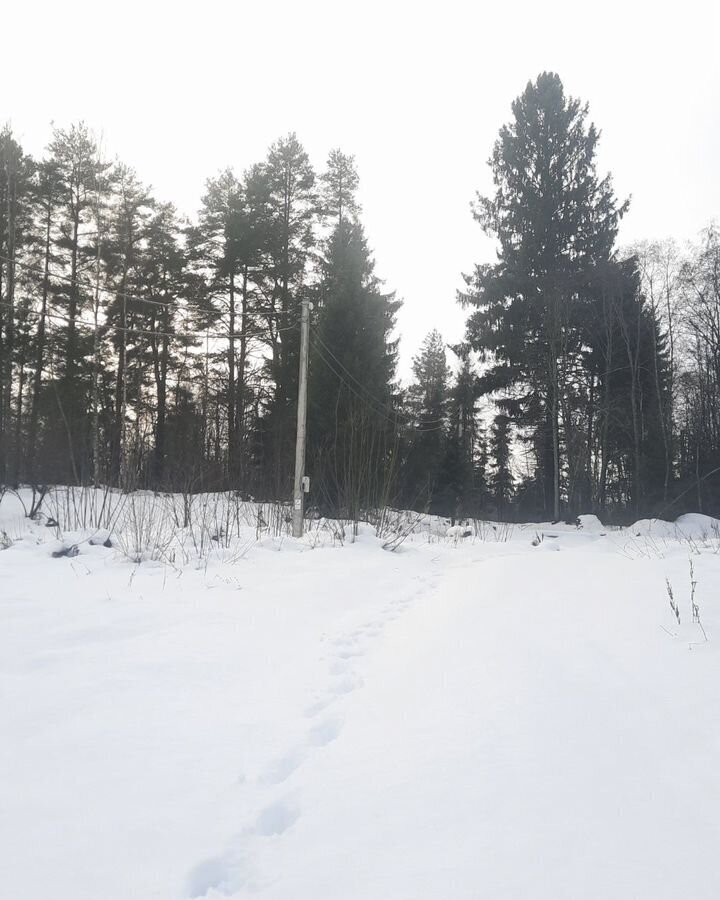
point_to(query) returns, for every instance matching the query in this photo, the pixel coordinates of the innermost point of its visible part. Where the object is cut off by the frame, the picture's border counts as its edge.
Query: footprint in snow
(319, 706)
(339, 667)
(226, 874)
(347, 640)
(276, 819)
(223, 875)
(347, 683)
(349, 654)
(282, 768)
(325, 732)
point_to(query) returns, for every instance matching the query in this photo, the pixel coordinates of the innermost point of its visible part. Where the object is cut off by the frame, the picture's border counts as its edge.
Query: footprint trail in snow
(232, 871)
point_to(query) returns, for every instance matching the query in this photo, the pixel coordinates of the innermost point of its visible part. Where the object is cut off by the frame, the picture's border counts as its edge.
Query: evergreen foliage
(556, 223)
(352, 425)
(140, 350)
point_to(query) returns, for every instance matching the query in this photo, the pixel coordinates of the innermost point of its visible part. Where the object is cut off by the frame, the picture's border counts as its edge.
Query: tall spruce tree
(351, 424)
(555, 221)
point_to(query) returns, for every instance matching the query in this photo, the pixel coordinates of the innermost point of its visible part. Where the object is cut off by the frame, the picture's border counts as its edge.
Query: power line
(376, 406)
(82, 323)
(439, 422)
(319, 340)
(55, 276)
(381, 412)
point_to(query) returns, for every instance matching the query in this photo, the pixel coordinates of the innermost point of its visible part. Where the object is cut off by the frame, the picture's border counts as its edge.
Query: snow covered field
(514, 714)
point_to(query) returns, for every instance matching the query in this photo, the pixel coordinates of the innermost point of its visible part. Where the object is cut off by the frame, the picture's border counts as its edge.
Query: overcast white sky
(416, 91)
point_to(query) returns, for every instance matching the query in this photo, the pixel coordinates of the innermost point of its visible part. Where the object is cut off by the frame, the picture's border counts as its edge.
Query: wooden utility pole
(301, 422)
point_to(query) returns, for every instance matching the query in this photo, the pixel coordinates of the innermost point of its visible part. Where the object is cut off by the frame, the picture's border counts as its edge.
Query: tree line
(140, 349)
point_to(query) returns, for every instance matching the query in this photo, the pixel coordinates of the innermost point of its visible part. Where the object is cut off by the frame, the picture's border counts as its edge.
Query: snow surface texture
(465, 717)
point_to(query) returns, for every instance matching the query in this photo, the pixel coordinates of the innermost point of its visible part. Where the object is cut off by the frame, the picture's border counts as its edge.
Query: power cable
(372, 397)
(55, 276)
(82, 323)
(395, 418)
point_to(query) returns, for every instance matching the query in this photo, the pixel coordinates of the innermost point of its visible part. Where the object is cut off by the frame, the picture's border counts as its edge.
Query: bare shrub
(496, 532)
(394, 527)
(273, 519)
(84, 508)
(147, 530)
(673, 602)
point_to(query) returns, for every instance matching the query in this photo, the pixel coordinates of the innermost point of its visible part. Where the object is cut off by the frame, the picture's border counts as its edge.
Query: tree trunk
(161, 355)
(555, 433)
(242, 362)
(120, 386)
(9, 301)
(231, 398)
(40, 346)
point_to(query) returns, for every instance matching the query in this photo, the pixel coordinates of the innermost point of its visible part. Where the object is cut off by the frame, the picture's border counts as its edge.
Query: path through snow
(480, 720)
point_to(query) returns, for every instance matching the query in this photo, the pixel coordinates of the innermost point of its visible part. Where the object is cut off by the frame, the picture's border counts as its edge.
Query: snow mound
(458, 531)
(590, 524)
(691, 526)
(697, 525)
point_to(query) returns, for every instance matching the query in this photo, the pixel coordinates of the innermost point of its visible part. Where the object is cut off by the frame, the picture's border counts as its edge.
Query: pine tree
(75, 158)
(286, 184)
(42, 257)
(163, 282)
(16, 170)
(339, 184)
(228, 247)
(123, 250)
